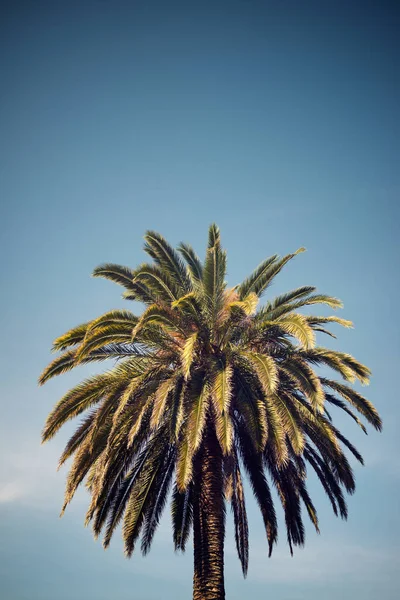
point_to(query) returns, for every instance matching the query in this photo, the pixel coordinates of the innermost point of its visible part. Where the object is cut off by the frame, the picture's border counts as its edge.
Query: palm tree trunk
(208, 521)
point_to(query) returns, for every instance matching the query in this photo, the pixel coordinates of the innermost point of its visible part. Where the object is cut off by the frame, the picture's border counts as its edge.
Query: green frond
(214, 278)
(254, 282)
(75, 401)
(69, 359)
(182, 516)
(253, 464)
(84, 458)
(144, 487)
(213, 236)
(117, 318)
(157, 502)
(336, 473)
(287, 484)
(327, 481)
(306, 380)
(337, 402)
(158, 282)
(264, 274)
(313, 321)
(348, 445)
(284, 299)
(239, 513)
(311, 510)
(194, 266)
(71, 338)
(167, 259)
(161, 316)
(275, 313)
(59, 365)
(364, 406)
(322, 330)
(78, 437)
(117, 273)
(103, 336)
(252, 409)
(124, 276)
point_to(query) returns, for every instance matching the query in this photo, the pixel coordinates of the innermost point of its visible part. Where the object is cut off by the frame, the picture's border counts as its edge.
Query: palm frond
(364, 406)
(221, 394)
(296, 325)
(194, 266)
(253, 465)
(71, 338)
(167, 259)
(182, 516)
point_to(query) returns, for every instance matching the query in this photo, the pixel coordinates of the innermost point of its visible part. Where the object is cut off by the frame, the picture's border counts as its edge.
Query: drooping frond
(287, 482)
(182, 516)
(253, 464)
(307, 381)
(196, 420)
(221, 394)
(296, 325)
(337, 402)
(157, 502)
(232, 471)
(348, 367)
(364, 406)
(290, 422)
(77, 400)
(250, 403)
(144, 491)
(266, 370)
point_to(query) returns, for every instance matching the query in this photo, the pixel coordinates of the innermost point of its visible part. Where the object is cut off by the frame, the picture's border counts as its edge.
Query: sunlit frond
(221, 394)
(296, 325)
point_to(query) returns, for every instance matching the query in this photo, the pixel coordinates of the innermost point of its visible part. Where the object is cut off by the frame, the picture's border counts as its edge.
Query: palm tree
(205, 386)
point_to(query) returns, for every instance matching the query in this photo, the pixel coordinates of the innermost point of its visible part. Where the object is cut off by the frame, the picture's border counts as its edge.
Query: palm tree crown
(206, 384)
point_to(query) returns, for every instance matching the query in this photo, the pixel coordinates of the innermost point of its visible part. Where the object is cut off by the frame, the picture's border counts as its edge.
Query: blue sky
(277, 120)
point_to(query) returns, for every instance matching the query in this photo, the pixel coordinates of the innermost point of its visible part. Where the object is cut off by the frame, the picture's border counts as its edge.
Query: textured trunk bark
(208, 521)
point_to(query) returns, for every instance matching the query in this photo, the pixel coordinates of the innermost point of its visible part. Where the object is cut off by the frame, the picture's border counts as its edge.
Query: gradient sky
(279, 121)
